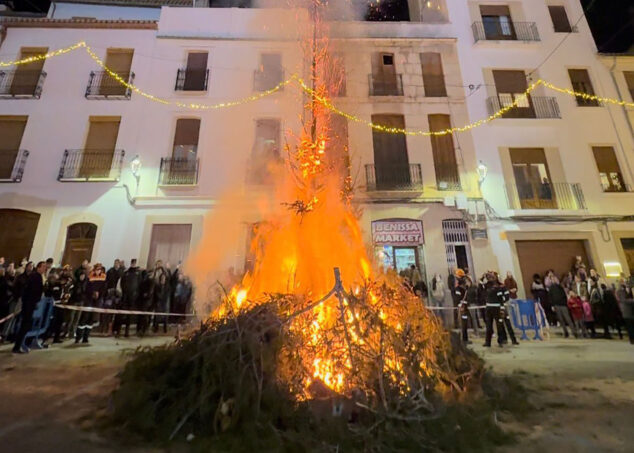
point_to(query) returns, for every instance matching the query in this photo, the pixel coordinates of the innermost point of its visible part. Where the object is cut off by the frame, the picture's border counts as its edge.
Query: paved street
(583, 389)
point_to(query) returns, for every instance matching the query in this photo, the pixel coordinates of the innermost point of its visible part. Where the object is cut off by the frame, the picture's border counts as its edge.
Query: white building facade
(94, 171)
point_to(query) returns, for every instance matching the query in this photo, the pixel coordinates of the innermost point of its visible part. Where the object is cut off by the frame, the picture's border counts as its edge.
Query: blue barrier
(528, 315)
(41, 321)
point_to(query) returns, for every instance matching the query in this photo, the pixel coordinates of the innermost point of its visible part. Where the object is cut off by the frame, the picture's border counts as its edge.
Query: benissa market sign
(397, 232)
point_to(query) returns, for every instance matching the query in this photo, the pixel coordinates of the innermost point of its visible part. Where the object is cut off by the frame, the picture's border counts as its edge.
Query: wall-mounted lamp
(135, 166)
(482, 170)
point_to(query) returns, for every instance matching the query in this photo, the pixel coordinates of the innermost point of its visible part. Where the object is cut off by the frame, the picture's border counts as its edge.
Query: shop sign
(479, 233)
(397, 232)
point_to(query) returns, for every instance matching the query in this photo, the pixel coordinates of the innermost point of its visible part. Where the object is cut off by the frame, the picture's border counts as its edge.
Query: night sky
(612, 21)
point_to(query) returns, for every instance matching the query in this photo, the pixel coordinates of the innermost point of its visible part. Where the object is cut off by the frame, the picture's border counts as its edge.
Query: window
(497, 23)
(391, 163)
(629, 79)
(532, 178)
(11, 131)
(26, 77)
(433, 77)
(581, 83)
(384, 80)
(98, 153)
(560, 19)
(445, 164)
(194, 77)
(270, 72)
(335, 75)
(266, 150)
(186, 138)
(120, 61)
(609, 170)
(511, 86)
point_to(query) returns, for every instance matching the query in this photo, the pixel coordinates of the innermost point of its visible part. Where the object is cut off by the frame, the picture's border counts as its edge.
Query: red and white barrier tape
(118, 312)
(12, 315)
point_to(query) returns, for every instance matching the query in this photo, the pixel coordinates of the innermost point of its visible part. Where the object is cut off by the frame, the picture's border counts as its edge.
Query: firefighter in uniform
(505, 319)
(494, 302)
(460, 301)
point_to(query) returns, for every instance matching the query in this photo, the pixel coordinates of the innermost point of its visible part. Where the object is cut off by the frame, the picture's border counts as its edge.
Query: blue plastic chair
(41, 322)
(526, 317)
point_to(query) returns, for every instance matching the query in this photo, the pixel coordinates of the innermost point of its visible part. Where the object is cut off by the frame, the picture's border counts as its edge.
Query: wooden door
(27, 76)
(17, 234)
(433, 77)
(537, 257)
(445, 163)
(11, 131)
(99, 149)
(511, 87)
(80, 241)
(391, 162)
(196, 73)
(628, 250)
(120, 61)
(383, 74)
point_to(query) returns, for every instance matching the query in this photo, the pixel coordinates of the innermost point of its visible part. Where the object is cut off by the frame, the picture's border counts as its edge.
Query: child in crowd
(587, 316)
(575, 305)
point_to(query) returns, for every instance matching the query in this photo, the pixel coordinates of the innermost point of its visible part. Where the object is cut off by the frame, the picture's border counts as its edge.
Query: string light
(321, 99)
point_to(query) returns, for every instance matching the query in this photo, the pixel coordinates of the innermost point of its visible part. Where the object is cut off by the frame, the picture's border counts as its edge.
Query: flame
(312, 228)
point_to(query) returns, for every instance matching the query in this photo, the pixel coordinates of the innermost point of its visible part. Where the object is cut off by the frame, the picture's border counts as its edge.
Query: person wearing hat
(455, 277)
(460, 302)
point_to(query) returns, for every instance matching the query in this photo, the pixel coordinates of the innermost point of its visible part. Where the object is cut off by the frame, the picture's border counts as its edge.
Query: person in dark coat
(560, 305)
(494, 300)
(4, 294)
(78, 298)
(612, 315)
(161, 302)
(30, 297)
(130, 287)
(145, 302)
(540, 294)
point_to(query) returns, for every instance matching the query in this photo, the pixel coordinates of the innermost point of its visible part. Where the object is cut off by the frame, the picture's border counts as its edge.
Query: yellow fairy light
(4, 64)
(321, 99)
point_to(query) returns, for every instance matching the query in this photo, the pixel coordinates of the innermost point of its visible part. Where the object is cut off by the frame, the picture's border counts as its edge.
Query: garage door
(536, 257)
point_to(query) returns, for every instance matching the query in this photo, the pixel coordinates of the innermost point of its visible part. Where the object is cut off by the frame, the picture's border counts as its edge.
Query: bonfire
(315, 334)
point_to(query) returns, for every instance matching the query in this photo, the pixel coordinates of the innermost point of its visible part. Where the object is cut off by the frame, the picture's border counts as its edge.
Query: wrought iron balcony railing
(394, 177)
(21, 84)
(527, 106)
(91, 165)
(102, 85)
(534, 195)
(382, 85)
(500, 30)
(448, 183)
(267, 80)
(178, 171)
(192, 79)
(12, 163)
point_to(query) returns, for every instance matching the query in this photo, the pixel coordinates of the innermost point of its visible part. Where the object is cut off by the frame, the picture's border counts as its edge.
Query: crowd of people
(578, 301)
(158, 290)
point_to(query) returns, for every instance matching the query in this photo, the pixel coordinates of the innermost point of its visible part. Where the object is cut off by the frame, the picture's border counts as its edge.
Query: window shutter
(495, 10)
(606, 159)
(187, 131)
(445, 164)
(560, 19)
(528, 156)
(433, 77)
(11, 131)
(197, 60)
(629, 79)
(119, 60)
(510, 81)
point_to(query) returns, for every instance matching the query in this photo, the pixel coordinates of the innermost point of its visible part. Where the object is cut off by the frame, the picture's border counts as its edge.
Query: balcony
(12, 163)
(21, 84)
(84, 165)
(403, 177)
(527, 106)
(102, 85)
(448, 182)
(178, 171)
(505, 31)
(267, 80)
(434, 85)
(192, 79)
(381, 85)
(563, 196)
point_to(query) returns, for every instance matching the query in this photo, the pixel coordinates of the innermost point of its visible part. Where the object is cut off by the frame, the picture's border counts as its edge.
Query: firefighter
(494, 302)
(459, 294)
(505, 320)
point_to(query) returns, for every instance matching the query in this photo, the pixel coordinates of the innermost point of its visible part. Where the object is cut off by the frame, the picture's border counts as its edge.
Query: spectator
(598, 311)
(130, 286)
(182, 294)
(612, 315)
(576, 309)
(145, 302)
(78, 298)
(83, 268)
(511, 285)
(588, 318)
(49, 266)
(560, 305)
(579, 268)
(494, 300)
(550, 278)
(161, 303)
(541, 295)
(31, 295)
(4, 294)
(458, 274)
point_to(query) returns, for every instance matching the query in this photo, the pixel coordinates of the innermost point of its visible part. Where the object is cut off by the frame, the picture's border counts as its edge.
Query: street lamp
(482, 170)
